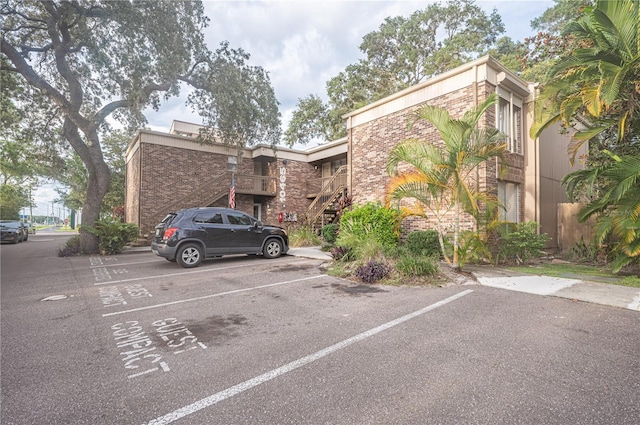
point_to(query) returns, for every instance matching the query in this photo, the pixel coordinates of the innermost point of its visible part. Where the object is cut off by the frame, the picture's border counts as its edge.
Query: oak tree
(89, 62)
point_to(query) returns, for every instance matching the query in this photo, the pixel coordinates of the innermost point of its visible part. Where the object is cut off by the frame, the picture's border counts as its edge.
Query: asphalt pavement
(578, 287)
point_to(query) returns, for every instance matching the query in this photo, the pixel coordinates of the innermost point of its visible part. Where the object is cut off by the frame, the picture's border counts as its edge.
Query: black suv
(191, 235)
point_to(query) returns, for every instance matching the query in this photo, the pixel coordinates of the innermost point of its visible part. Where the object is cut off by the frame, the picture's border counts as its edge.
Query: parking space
(243, 340)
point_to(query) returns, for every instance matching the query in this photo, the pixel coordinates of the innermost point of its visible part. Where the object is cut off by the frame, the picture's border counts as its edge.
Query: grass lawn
(577, 271)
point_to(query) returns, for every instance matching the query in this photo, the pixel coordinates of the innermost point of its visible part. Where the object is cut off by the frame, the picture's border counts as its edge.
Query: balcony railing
(250, 184)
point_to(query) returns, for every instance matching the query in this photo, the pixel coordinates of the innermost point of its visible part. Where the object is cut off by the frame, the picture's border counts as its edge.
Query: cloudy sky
(303, 44)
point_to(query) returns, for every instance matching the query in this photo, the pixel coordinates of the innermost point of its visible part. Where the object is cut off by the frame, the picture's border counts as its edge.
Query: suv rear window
(168, 219)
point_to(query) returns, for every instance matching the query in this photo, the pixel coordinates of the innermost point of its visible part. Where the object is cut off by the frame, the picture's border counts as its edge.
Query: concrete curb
(579, 288)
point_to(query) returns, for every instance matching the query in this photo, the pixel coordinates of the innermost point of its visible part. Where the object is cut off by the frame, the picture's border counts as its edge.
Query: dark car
(13, 231)
(189, 236)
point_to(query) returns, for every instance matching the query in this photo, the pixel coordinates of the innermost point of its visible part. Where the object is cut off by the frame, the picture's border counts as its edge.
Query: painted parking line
(182, 273)
(115, 264)
(254, 382)
(204, 297)
(133, 279)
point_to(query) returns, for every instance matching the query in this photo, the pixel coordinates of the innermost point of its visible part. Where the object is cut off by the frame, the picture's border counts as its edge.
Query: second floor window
(509, 122)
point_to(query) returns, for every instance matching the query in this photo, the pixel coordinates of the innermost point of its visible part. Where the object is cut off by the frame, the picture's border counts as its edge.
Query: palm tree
(597, 84)
(617, 206)
(441, 178)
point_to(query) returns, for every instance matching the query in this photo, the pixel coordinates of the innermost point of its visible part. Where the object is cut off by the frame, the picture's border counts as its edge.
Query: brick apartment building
(168, 171)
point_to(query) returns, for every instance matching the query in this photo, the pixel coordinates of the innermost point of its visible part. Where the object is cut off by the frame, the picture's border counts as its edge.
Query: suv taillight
(168, 233)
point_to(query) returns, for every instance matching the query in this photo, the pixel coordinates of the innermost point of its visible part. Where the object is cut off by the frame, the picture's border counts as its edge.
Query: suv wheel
(272, 249)
(189, 255)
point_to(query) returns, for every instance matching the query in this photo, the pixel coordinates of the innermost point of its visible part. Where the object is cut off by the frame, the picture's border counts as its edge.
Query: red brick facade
(372, 141)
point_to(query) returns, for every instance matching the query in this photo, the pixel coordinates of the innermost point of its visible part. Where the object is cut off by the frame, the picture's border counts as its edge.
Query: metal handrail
(334, 186)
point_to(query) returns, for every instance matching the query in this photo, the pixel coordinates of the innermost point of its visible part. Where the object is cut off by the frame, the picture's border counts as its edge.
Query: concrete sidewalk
(581, 288)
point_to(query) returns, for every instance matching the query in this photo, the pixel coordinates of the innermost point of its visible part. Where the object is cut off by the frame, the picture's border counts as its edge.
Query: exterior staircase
(217, 187)
(323, 210)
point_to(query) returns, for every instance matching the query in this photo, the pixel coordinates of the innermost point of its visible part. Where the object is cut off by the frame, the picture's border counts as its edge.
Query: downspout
(349, 156)
(475, 103)
(536, 161)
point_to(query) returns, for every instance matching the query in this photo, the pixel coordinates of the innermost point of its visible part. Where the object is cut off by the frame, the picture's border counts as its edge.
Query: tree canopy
(404, 51)
(87, 63)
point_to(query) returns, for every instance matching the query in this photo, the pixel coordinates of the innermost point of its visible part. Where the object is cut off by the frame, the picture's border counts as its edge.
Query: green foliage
(330, 232)
(616, 204)
(438, 177)
(115, 60)
(113, 236)
(12, 199)
(596, 82)
(423, 242)
(589, 252)
(311, 120)
(362, 244)
(520, 243)
(71, 248)
(370, 221)
(473, 248)
(631, 281)
(302, 236)
(411, 265)
(372, 271)
(404, 51)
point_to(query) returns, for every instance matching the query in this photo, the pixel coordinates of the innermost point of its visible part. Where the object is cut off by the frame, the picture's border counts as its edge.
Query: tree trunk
(98, 181)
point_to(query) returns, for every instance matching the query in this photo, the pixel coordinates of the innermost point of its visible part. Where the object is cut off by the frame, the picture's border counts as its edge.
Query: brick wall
(170, 173)
(372, 142)
(295, 202)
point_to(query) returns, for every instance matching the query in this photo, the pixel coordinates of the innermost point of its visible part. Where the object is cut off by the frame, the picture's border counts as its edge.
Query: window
(338, 163)
(209, 218)
(239, 219)
(509, 122)
(508, 194)
(232, 163)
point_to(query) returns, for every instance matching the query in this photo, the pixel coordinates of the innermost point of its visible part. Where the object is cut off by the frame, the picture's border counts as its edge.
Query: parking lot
(133, 339)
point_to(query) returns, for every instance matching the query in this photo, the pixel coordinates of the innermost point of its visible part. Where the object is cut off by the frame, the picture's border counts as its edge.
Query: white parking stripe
(251, 383)
(115, 313)
(203, 270)
(199, 270)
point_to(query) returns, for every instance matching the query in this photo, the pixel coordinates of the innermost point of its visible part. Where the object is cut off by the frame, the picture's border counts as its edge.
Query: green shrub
(113, 236)
(372, 271)
(330, 232)
(303, 236)
(423, 242)
(520, 243)
(410, 265)
(362, 245)
(472, 248)
(71, 248)
(372, 218)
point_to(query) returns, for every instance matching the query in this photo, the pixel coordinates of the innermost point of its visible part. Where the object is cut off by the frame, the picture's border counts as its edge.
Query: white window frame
(508, 113)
